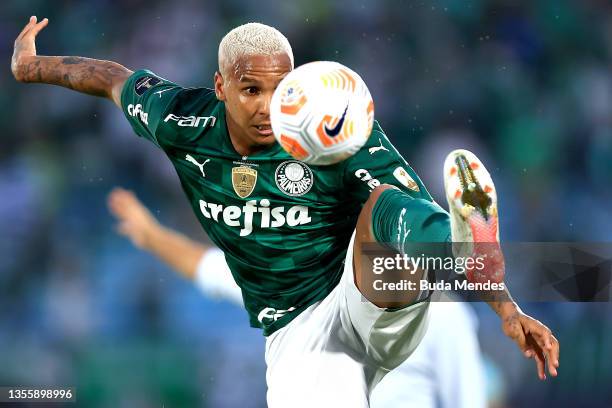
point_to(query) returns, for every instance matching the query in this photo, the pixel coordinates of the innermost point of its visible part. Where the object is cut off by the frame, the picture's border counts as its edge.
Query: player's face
(247, 91)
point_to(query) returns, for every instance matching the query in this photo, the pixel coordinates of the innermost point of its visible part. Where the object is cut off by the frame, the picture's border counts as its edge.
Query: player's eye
(251, 90)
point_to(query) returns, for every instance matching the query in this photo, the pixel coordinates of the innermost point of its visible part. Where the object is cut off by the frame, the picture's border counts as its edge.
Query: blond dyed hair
(251, 39)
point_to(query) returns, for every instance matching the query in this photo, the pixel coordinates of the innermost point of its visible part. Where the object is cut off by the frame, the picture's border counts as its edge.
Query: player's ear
(219, 88)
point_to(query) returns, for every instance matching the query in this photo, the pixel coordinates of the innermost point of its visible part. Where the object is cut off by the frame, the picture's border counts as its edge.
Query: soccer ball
(322, 113)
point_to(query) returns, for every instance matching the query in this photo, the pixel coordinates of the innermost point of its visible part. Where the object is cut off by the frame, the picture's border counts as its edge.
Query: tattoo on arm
(500, 301)
(87, 75)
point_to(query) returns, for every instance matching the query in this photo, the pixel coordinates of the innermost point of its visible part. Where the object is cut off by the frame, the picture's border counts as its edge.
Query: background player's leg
(391, 219)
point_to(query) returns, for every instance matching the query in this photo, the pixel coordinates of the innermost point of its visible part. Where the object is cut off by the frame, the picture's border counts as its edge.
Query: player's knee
(364, 223)
(375, 194)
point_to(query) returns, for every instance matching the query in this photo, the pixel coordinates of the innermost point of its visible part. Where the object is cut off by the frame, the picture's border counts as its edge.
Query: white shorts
(338, 349)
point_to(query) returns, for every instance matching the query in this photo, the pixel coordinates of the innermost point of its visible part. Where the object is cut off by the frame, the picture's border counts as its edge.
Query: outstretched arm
(90, 76)
(204, 265)
(140, 226)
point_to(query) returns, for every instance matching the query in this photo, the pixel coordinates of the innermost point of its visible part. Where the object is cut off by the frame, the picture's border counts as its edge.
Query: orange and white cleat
(472, 202)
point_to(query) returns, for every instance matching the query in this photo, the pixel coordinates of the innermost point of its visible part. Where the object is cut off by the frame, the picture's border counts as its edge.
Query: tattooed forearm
(501, 302)
(90, 76)
(71, 60)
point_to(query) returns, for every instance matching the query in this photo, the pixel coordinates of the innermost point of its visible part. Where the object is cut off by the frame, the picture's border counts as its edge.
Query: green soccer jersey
(283, 225)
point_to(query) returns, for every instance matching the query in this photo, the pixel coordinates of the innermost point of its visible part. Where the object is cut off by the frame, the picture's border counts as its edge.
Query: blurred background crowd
(526, 85)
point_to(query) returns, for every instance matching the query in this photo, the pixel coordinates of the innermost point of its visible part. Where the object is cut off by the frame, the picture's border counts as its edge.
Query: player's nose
(264, 106)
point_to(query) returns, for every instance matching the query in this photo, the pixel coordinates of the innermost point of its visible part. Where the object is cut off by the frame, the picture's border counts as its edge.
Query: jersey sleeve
(144, 100)
(376, 163)
(214, 278)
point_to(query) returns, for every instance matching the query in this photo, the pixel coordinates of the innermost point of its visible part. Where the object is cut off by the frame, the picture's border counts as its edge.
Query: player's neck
(241, 144)
(242, 148)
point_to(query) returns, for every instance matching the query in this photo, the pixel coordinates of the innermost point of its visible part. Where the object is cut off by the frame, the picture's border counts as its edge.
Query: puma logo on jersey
(375, 149)
(191, 121)
(235, 216)
(190, 159)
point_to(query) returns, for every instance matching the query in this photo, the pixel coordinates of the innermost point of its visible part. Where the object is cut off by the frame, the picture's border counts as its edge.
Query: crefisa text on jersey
(270, 217)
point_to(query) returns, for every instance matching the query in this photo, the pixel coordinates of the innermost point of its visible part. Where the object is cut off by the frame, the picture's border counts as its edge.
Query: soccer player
(295, 249)
(440, 373)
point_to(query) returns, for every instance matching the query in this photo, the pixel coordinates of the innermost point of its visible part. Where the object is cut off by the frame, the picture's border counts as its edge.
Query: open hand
(535, 341)
(25, 46)
(135, 220)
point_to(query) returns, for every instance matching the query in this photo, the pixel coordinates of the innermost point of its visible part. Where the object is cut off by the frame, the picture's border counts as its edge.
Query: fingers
(540, 334)
(553, 357)
(27, 28)
(126, 207)
(118, 200)
(33, 27)
(540, 361)
(36, 29)
(112, 199)
(519, 337)
(534, 351)
(547, 344)
(528, 344)
(126, 203)
(116, 193)
(122, 195)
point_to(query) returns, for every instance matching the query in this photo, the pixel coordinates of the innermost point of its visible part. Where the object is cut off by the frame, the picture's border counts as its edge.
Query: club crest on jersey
(145, 83)
(293, 178)
(243, 180)
(403, 177)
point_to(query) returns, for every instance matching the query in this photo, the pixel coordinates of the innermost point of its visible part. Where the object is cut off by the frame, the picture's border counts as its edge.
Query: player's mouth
(264, 130)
